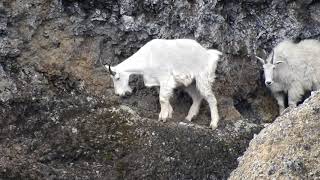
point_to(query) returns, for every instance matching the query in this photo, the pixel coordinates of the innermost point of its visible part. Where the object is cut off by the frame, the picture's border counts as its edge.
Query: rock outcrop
(59, 117)
(289, 148)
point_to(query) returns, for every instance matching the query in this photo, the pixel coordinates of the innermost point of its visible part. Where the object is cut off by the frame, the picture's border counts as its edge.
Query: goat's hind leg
(196, 101)
(204, 87)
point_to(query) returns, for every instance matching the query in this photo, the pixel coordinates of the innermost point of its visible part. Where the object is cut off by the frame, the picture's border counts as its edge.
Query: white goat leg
(204, 87)
(166, 92)
(213, 110)
(196, 102)
(294, 95)
(280, 99)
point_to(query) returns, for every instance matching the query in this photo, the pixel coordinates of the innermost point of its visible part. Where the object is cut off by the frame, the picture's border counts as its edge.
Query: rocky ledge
(84, 137)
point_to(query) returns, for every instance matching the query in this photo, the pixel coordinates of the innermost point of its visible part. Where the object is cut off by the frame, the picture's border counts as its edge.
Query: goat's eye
(117, 76)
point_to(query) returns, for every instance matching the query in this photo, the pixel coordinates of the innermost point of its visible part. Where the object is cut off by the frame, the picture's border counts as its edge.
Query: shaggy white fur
(293, 69)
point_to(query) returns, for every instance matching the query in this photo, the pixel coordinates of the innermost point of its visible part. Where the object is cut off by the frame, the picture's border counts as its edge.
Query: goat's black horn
(111, 72)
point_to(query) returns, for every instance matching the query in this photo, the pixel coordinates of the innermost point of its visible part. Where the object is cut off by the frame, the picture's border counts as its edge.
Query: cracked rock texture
(289, 148)
(59, 118)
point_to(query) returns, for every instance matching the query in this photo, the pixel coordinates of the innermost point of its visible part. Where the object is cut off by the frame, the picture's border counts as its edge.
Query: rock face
(289, 148)
(72, 39)
(59, 117)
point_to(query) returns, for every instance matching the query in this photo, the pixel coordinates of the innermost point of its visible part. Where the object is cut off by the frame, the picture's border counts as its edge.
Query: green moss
(121, 169)
(108, 156)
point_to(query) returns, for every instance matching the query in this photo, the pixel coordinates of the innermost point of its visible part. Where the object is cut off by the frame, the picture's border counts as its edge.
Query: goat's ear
(279, 62)
(261, 60)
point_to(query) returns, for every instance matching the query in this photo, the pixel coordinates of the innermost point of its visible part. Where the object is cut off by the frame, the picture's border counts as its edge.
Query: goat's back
(303, 60)
(305, 52)
(180, 55)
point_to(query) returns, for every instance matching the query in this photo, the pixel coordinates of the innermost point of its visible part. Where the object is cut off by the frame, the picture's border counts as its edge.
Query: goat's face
(120, 82)
(268, 69)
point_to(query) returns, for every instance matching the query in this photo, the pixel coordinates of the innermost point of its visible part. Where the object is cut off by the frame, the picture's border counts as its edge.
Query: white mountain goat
(292, 69)
(171, 64)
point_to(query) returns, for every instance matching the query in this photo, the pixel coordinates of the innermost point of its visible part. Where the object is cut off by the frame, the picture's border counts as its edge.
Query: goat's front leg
(164, 98)
(280, 97)
(294, 95)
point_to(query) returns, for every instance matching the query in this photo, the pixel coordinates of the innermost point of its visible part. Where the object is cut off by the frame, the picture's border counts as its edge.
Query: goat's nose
(268, 82)
(127, 93)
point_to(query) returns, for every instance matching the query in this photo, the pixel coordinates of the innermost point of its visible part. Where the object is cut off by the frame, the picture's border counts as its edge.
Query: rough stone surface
(73, 38)
(289, 148)
(75, 137)
(57, 104)
(7, 87)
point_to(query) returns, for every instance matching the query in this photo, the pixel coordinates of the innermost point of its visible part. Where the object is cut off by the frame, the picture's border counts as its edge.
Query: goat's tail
(214, 52)
(214, 57)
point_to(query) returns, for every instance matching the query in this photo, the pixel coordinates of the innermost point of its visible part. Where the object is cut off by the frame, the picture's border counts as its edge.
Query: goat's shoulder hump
(310, 43)
(284, 46)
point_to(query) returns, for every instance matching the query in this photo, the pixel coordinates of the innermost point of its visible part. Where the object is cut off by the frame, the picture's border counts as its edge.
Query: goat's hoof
(188, 118)
(164, 115)
(162, 119)
(165, 118)
(213, 126)
(286, 110)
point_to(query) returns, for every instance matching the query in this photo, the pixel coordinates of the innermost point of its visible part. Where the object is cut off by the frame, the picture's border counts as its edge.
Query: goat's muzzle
(268, 83)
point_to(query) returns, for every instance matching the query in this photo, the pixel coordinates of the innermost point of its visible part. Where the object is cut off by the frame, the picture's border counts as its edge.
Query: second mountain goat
(292, 69)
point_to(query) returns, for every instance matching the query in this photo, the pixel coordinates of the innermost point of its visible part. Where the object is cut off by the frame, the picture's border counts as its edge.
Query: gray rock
(286, 149)
(7, 86)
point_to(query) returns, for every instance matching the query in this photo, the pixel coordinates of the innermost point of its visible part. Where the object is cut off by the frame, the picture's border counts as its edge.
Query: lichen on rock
(286, 149)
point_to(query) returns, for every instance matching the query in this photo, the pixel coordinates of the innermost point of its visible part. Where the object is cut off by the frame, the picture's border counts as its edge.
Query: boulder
(286, 149)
